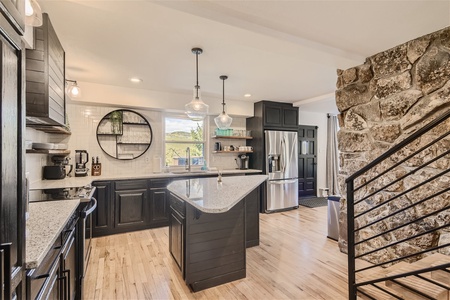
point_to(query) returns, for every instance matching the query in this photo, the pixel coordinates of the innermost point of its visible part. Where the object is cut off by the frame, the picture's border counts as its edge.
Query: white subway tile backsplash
(83, 122)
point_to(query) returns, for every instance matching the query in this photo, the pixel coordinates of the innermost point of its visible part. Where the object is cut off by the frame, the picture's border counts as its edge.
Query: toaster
(54, 172)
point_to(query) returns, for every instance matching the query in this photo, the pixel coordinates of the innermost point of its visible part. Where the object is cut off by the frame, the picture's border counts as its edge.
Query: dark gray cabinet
(56, 276)
(69, 269)
(15, 11)
(127, 205)
(277, 115)
(176, 238)
(12, 160)
(210, 248)
(130, 208)
(268, 115)
(159, 202)
(252, 202)
(45, 75)
(102, 218)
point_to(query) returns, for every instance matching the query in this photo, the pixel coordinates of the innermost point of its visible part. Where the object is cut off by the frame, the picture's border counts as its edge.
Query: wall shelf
(232, 137)
(49, 151)
(52, 129)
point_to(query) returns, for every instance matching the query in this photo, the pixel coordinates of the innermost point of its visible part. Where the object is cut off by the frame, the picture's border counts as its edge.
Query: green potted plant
(116, 122)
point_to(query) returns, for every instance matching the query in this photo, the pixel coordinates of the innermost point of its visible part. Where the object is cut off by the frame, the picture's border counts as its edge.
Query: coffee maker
(81, 159)
(242, 162)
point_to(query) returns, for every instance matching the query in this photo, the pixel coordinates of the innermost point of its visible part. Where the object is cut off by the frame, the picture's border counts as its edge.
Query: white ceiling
(275, 50)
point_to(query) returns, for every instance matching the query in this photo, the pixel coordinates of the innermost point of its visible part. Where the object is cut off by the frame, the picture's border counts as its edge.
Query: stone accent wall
(381, 102)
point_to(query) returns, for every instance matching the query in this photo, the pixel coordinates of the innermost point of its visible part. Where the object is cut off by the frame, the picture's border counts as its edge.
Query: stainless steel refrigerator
(282, 169)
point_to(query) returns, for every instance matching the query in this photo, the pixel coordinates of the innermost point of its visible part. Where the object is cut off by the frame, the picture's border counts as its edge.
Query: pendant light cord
(223, 96)
(196, 69)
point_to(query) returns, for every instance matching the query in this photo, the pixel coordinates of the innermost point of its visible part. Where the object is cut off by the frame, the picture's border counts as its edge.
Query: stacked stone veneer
(390, 96)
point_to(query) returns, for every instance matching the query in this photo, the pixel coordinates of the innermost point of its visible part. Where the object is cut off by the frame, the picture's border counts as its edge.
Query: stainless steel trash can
(333, 217)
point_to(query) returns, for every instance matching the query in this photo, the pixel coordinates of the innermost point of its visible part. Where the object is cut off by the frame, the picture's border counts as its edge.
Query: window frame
(205, 141)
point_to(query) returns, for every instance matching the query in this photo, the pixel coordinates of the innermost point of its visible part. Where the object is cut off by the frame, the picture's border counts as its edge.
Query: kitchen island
(209, 227)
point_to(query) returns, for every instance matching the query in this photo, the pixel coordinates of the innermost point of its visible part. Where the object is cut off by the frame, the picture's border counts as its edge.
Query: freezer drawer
(282, 194)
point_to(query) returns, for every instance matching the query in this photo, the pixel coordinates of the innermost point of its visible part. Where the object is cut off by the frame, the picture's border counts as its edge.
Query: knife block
(96, 169)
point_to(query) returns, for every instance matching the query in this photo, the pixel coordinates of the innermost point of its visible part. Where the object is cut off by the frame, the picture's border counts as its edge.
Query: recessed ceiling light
(135, 80)
(247, 95)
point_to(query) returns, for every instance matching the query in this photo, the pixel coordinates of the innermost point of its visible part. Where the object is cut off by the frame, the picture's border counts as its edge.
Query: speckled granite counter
(209, 196)
(82, 181)
(46, 221)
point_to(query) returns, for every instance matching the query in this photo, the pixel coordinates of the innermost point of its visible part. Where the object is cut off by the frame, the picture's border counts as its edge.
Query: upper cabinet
(277, 115)
(14, 11)
(45, 75)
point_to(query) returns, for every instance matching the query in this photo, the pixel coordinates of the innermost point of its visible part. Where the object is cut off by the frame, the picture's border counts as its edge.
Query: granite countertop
(210, 196)
(71, 182)
(47, 220)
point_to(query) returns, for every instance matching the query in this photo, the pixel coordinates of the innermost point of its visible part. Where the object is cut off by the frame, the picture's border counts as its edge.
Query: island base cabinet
(213, 244)
(176, 238)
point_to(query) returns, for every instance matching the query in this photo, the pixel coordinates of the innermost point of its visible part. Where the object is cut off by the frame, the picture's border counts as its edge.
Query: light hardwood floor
(295, 260)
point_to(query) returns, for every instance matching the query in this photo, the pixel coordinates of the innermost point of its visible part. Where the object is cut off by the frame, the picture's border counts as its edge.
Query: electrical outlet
(147, 159)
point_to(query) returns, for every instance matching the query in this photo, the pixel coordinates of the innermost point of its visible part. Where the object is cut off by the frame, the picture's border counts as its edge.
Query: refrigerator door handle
(281, 182)
(283, 156)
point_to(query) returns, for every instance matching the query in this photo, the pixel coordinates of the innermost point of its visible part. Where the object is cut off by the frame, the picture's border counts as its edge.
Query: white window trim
(205, 137)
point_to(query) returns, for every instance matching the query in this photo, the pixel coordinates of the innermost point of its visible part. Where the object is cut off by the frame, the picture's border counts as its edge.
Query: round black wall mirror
(124, 134)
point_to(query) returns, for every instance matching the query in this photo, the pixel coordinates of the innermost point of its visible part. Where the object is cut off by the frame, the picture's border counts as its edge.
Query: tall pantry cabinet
(12, 155)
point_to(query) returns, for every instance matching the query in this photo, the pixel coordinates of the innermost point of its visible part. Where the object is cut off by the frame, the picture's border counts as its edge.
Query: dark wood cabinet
(15, 12)
(159, 202)
(268, 115)
(209, 248)
(131, 209)
(252, 203)
(45, 74)
(176, 238)
(56, 276)
(277, 115)
(102, 218)
(12, 156)
(69, 269)
(127, 205)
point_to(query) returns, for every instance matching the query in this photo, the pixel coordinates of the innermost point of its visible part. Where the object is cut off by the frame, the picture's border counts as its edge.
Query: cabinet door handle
(6, 282)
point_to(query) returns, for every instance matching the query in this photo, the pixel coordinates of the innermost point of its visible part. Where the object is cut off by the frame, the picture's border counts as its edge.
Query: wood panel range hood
(45, 78)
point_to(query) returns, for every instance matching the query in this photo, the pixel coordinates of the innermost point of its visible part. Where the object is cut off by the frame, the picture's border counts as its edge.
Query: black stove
(84, 193)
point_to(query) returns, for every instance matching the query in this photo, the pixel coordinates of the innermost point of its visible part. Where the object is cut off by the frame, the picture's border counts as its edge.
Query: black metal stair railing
(389, 211)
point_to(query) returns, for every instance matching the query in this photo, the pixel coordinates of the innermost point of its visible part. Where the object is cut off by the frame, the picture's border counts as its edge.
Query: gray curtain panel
(332, 156)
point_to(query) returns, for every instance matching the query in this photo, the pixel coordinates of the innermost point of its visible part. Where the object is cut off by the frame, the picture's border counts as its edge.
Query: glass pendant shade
(72, 89)
(196, 110)
(223, 121)
(33, 13)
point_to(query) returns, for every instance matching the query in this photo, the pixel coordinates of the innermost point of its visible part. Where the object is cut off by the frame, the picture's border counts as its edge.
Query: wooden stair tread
(376, 293)
(425, 287)
(433, 259)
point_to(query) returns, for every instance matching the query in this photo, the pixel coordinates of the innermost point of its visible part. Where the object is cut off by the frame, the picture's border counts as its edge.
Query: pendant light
(196, 109)
(72, 88)
(223, 121)
(33, 13)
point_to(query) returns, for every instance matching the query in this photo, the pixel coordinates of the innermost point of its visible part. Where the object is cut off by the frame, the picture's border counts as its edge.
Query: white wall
(83, 121)
(319, 120)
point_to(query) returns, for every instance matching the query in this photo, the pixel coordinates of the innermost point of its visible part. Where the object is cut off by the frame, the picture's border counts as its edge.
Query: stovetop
(84, 193)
